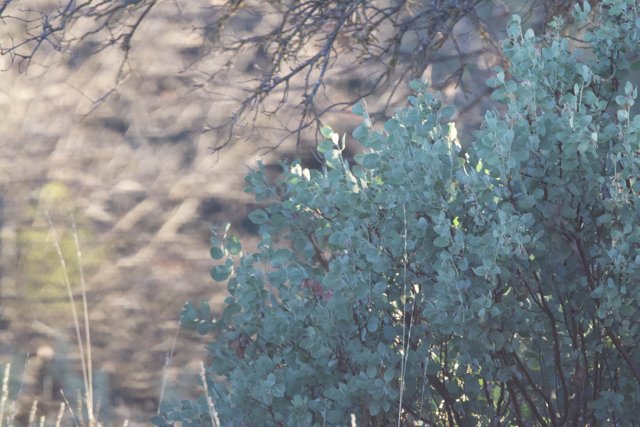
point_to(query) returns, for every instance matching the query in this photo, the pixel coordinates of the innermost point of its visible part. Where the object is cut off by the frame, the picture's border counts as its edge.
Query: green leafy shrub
(494, 287)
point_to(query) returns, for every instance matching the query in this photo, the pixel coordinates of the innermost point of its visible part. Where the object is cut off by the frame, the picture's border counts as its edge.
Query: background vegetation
(419, 285)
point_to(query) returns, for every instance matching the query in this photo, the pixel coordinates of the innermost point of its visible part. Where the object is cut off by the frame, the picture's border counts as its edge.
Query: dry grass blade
(5, 391)
(165, 368)
(60, 415)
(73, 416)
(406, 335)
(212, 407)
(32, 413)
(85, 313)
(84, 355)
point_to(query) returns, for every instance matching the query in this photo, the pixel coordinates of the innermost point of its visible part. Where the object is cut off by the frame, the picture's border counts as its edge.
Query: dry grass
(81, 322)
(84, 344)
(4, 398)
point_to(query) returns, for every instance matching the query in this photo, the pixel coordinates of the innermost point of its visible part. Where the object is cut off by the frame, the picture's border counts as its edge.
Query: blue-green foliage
(425, 283)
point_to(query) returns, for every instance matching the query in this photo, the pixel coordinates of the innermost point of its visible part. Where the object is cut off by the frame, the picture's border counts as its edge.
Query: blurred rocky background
(115, 146)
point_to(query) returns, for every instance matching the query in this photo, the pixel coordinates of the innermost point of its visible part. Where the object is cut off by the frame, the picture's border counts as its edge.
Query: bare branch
(306, 45)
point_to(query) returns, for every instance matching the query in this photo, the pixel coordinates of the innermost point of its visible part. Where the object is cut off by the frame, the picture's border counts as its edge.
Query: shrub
(423, 283)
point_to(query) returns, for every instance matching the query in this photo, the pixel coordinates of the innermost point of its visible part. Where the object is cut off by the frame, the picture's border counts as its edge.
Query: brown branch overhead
(342, 28)
(394, 41)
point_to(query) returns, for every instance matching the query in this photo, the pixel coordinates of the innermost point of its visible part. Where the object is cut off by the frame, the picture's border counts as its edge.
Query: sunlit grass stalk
(5, 391)
(32, 413)
(165, 369)
(85, 313)
(60, 414)
(79, 408)
(406, 335)
(81, 344)
(213, 413)
(73, 416)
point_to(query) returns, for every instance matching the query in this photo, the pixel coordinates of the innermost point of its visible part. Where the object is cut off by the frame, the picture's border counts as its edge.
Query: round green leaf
(258, 217)
(220, 273)
(233, 245)
(216, 253)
